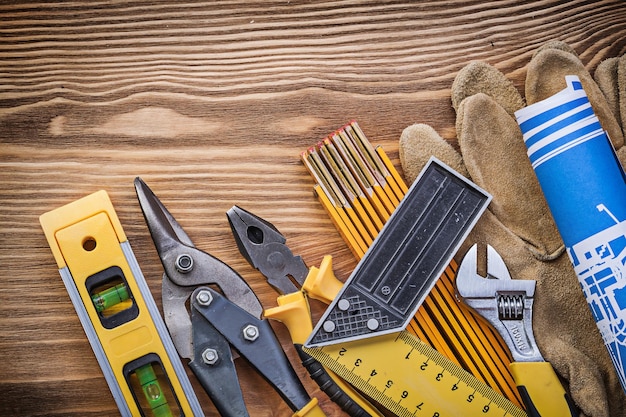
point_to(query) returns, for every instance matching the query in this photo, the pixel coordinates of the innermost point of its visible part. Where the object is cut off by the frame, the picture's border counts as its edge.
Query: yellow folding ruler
(359, 187)
(117, 311)
(410, 378)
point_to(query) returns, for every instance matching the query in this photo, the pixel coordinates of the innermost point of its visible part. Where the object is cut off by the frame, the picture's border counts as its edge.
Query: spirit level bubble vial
(117, 311)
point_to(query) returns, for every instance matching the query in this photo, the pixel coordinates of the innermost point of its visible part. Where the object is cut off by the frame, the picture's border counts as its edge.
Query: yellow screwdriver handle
(541, 390)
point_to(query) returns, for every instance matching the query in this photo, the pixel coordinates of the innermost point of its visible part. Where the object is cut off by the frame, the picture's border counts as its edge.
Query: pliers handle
(264, 247)
(293, 311)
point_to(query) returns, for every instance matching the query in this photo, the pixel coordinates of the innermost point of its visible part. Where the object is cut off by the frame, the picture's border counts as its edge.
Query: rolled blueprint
(585, 187)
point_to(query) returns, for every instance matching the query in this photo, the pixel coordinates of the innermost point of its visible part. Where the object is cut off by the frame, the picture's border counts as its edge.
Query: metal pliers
(264, 248)
(507, 305)
(216, 322)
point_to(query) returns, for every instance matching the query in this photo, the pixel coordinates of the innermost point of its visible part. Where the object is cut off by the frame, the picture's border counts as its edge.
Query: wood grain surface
(211, 104)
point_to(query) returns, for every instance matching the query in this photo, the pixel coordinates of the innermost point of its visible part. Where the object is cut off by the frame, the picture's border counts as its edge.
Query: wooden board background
(211, 103)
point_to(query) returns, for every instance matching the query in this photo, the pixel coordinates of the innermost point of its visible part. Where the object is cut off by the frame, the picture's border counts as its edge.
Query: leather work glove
(518, 223)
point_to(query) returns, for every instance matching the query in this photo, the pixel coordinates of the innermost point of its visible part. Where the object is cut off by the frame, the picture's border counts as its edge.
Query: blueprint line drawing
(585, 188)
(600, 263)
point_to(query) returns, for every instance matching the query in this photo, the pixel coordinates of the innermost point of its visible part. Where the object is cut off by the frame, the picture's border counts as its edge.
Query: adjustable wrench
(507, 305)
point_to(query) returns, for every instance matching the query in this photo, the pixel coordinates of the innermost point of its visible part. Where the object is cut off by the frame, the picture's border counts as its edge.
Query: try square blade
(403, 263)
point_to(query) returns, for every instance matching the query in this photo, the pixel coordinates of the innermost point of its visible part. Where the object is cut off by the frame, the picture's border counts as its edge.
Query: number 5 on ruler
(410, 378)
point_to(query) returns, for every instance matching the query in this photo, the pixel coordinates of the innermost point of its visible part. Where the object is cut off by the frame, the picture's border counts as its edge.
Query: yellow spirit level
(117, 311)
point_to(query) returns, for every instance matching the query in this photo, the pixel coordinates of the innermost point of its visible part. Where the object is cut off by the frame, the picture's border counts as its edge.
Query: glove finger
(606, 78)
(546, 77)
(495, 156)
(418, 143)
(560, 45)
(480, 77)
(611, 78)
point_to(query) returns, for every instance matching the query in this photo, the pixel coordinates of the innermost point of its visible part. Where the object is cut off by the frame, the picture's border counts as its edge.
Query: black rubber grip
(528, 402)
(327, 384)
(532, 411)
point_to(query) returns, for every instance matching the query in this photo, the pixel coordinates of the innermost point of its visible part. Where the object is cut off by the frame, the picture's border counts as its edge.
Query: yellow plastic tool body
(91, 250)
(293, 311)
(545, 394)
(442, 322)
(312, 409)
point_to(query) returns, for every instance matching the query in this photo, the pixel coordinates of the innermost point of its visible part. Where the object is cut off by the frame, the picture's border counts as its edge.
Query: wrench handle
(541, 390)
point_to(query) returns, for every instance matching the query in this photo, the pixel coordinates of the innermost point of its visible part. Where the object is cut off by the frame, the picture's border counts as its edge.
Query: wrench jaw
(503, 302)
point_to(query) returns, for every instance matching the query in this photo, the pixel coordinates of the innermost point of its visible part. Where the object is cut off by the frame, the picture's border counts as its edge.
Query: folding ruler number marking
(410, 378)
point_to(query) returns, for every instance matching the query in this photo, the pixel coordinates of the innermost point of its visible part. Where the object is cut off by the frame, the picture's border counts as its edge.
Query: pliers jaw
(505, 303)
(252, 232)
(264, 247)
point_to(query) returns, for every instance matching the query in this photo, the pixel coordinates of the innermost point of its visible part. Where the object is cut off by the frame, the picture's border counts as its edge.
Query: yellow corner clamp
(130, 340)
